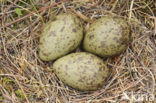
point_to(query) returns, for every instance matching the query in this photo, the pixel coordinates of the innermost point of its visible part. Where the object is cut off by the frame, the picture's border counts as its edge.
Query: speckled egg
(108, 36)
(82, 71)
(60, 36)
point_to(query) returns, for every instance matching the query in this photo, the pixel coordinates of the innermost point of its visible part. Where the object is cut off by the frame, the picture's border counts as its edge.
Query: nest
(25, 78)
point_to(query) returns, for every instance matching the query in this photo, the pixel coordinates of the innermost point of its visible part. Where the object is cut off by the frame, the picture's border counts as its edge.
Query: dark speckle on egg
(74, 30)
(91, 36)
(54, 19)
(62, 29)
(52, 34)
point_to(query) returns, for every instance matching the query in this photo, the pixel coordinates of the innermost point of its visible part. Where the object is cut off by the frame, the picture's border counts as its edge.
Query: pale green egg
(60, 36)
(82, 71)
(107, 37)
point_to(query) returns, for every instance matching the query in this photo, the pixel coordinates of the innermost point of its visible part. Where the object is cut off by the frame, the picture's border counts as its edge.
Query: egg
(107, 37)
(60, 36)
(82, 71)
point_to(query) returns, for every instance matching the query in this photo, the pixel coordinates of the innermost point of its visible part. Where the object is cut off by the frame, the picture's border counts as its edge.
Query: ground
(24, 78)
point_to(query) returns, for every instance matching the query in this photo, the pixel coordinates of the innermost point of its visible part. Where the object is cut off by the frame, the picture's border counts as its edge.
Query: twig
(20, 86)
(11, 5)
(131, 7)
(114, 5)
(97, 3)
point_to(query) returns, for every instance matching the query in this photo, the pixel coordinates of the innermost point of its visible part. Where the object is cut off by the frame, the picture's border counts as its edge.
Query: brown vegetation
(25, 78)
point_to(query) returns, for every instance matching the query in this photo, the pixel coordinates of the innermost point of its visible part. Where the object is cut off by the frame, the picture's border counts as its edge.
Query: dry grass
(25, 78)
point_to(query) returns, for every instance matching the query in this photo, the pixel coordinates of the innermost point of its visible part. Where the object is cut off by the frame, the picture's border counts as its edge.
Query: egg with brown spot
(82, 71)
(108, 36)
(60, 36)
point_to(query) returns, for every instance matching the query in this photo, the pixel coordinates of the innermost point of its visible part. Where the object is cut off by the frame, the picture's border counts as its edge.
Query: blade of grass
(37, 11)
